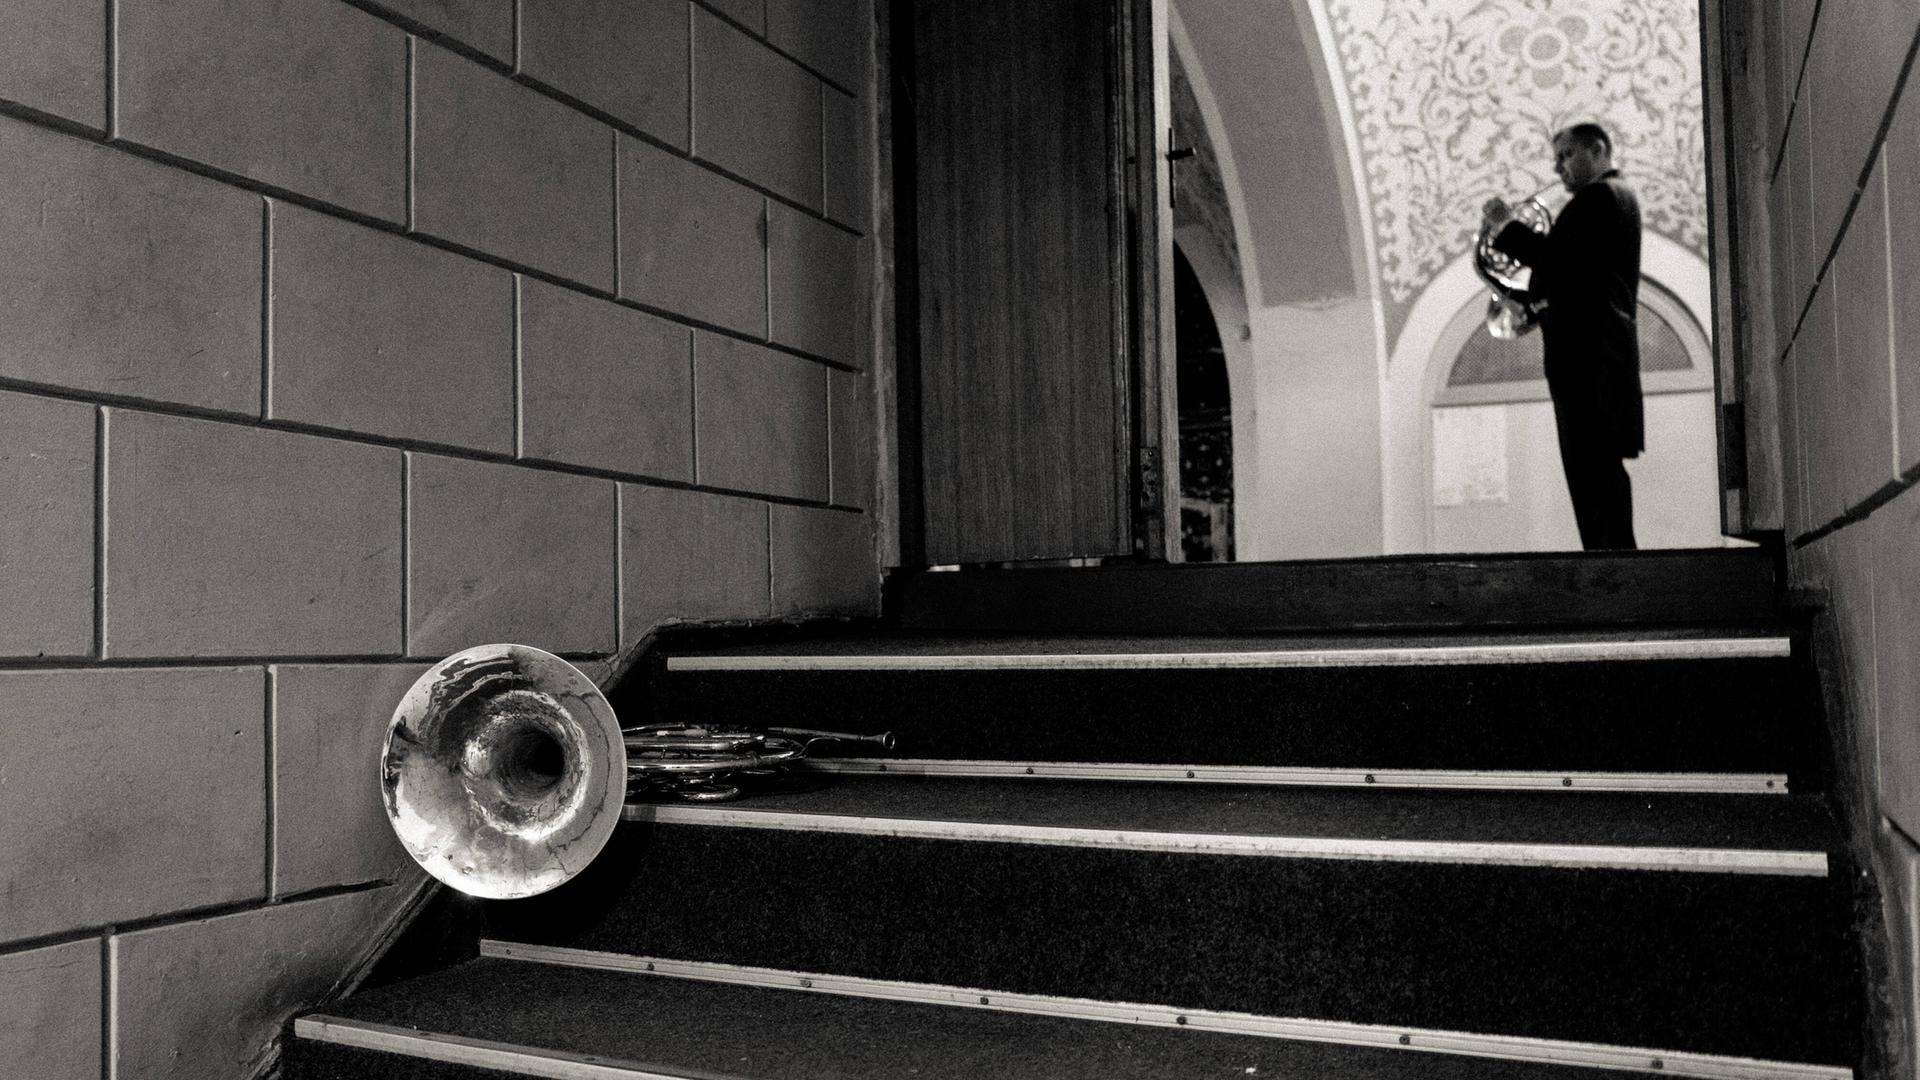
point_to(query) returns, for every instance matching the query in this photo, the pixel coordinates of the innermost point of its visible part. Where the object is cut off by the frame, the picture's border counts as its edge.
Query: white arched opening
(1229, 306)
(1675, 481)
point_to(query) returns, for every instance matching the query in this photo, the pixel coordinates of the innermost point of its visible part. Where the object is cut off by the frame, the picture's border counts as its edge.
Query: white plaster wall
(1675, 485)
(1317, 396)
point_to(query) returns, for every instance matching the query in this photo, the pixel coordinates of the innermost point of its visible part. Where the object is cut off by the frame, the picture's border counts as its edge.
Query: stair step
(604, 1021)
(944, 653)
(1530, 915)
(1723, 586)
(1307, 776)
(1765, 834)
(1614, 702)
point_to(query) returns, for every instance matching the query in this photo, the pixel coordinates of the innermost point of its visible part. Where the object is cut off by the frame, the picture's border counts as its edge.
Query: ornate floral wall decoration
(1457, 100)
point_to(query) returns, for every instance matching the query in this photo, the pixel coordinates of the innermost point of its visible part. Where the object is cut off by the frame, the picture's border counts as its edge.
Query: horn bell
(504, 771)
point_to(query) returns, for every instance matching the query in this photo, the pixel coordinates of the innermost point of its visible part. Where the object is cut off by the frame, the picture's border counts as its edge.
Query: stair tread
(1606, 713)
(942, 644)
(1737, 822)
(678, 1027)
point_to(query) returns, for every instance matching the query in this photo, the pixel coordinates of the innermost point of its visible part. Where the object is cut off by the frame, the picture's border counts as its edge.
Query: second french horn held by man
(1585, 285)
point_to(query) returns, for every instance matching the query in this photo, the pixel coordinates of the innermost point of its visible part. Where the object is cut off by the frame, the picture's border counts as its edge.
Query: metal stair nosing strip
(1699, 783)
(1472, 1044)
(491, 1054)
(1549, 652)
(1564, 856)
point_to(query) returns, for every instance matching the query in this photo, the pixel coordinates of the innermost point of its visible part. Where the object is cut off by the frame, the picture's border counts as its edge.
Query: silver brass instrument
(1509, 315)
(505, 769)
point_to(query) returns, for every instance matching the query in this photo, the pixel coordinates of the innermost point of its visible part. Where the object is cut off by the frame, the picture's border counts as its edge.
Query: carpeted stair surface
(1368, 905)
(709, 1031)
(1736, 964)
(1771, 822)
(1694, 715)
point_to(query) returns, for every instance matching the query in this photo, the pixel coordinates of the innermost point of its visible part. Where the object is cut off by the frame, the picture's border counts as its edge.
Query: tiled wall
(336, 336)
(1842, 130)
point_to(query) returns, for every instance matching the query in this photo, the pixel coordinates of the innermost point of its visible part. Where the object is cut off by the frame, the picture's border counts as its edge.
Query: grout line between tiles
(269, 712)
(100, 448)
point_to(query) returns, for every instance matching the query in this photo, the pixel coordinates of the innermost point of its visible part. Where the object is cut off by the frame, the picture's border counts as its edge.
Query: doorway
(1206, 422)
(1336, 238)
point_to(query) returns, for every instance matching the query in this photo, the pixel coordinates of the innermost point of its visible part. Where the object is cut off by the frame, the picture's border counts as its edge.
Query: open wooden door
(1038, 181)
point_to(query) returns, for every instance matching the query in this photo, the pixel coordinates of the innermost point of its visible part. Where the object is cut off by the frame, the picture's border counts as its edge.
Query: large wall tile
(603, 385)
(381, 334)
(823, 561)
(625, 57)
(46, 527)
(1783, 291)
(760, 419)
(751, 14)
(1902, 157)
(1796, 25)
(1896, 626)
(1863, 359)
(755, 112)
(503, 553)
(208, 998)
(1779, 85)
(482, 25)
(1854, 552)
(848, 184)
(691, 240)
(1898, 862)
(1823, 429)
(329, 824)
(830, 36)
(813, 285)
(850, 425)
(308, 97)
(688, 555)
(1793, 466)
(233, 541)
(125, 277)
(53, 57)
(506, 170)
(146, 794)
(51, 999)
(1858, 50)
(1797, 173)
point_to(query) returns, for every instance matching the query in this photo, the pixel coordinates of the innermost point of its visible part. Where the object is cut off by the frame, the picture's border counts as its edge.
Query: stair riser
(1719, 715)
(1648, 588)
(307, 1060)
(1713, 963)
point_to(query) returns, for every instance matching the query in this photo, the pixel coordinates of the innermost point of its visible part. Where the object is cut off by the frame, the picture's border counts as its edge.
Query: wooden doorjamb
(1144, 314)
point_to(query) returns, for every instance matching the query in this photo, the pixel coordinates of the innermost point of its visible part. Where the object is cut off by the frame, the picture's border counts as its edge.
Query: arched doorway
(1206, 423)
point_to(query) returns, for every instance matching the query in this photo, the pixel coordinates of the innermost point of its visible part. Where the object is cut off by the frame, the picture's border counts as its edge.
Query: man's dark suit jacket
(1587, 269)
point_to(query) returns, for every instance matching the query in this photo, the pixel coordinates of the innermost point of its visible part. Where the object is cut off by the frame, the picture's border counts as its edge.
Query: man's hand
(1495, 214)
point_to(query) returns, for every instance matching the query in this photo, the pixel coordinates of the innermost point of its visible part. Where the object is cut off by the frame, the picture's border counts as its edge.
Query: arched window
(1674, 356)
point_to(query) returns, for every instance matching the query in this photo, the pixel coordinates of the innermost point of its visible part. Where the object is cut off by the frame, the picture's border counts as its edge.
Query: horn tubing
(883, 739)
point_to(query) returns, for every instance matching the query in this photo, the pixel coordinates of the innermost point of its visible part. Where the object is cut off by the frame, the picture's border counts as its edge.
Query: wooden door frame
(1734, 68)
(1144, 105)
(1138, 181)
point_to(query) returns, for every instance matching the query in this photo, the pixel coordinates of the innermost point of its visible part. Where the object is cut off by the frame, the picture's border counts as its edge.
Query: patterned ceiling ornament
(1457, 100)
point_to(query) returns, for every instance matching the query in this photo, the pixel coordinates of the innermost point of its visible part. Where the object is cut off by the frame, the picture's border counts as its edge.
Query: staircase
(1528, 817)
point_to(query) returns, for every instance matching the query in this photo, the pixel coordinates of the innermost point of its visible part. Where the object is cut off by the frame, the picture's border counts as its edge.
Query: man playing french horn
(1585, 284)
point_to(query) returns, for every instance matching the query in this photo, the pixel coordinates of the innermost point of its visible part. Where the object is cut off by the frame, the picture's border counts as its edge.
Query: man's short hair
(1592, 136)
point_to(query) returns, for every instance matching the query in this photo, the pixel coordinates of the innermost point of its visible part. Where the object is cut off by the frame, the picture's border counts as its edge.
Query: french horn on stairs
(504, 769)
